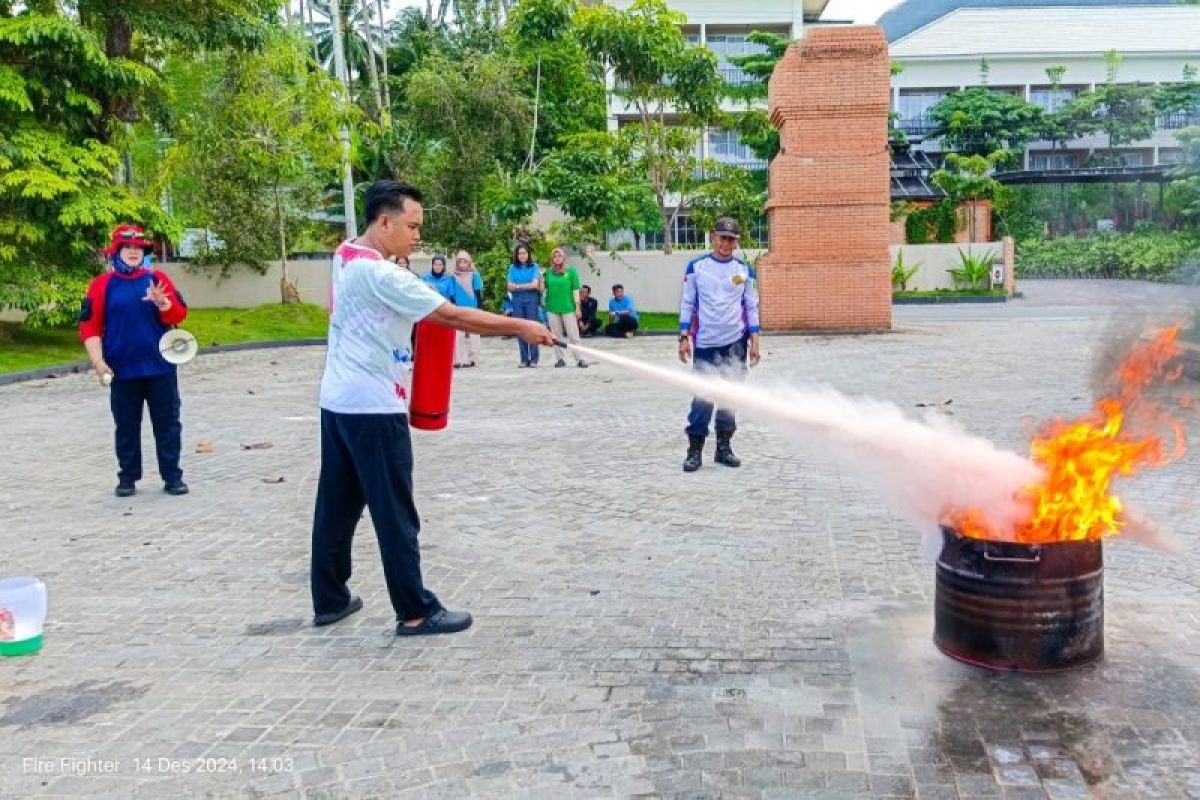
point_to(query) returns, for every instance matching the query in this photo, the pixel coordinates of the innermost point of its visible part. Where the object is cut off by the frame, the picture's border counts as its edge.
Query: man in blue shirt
(720, 310)
(622, 314)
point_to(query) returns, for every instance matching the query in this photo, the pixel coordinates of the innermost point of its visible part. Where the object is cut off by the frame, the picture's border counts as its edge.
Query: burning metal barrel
(1023, 607)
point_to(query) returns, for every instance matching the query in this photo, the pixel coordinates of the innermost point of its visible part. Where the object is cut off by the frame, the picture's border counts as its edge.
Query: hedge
(1148, 256)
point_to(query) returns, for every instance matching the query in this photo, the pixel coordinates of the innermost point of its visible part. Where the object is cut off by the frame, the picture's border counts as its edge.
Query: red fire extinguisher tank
(433, 369)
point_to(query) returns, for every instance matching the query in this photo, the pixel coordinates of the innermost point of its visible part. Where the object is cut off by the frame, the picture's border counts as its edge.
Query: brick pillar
(828, 265)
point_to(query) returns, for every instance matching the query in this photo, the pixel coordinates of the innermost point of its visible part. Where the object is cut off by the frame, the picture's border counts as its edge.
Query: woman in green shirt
(562, 304)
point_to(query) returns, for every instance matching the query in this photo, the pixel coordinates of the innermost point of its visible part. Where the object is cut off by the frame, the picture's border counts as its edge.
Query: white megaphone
(178, 346)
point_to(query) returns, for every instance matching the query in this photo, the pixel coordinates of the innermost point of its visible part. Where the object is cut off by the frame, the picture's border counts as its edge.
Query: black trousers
(161, 394)
(622, 326)
(367, 461)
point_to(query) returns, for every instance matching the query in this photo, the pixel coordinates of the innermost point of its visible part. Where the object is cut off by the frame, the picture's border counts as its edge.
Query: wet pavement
(759, 633)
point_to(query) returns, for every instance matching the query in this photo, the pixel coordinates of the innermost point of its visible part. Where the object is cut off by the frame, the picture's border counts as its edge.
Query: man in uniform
(720, 311)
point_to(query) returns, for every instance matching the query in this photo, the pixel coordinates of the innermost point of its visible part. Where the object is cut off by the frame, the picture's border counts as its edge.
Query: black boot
(695, 449)
(724, 452)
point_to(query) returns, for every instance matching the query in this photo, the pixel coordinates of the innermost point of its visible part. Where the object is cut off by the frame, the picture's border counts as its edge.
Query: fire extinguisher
(429, 409)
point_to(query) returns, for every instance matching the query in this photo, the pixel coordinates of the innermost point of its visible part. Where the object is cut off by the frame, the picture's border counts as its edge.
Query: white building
(723, 28)
(940, 44)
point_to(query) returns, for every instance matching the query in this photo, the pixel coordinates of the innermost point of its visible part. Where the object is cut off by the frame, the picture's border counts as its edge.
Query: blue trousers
(366, 462)
(525, 306)
(126, 398)
(728, 361)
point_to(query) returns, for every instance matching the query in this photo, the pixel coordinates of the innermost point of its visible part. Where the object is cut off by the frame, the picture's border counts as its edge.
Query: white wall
(651, 278)
(937, 259)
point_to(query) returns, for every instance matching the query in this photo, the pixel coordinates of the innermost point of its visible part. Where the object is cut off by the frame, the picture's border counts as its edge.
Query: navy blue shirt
(129, 326)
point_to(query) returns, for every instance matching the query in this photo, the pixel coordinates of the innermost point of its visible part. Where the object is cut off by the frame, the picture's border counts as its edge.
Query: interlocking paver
(759, 633)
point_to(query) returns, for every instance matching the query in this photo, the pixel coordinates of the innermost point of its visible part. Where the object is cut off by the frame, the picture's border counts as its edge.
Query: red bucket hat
(128, 236)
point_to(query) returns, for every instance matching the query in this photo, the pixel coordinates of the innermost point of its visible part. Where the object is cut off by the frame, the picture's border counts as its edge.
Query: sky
(861, 11)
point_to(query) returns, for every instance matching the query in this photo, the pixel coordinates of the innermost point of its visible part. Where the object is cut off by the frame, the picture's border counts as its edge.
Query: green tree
(466, 124)
(969, 178)
(361, 44)
(1124, 112)
(566, 84)
(753, 123)
(139, 30)
(979, 121)
(672, 88)
(729, 191)
(58, 196)
(1179, 98)
(256, 154)
(1186, 191)
(593, 178)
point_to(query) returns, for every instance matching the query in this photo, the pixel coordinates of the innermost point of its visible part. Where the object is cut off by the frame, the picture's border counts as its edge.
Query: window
(686, 235)
(915, 105)
(1170, 155)
(725, 45)
(1050, 99)
(726, 146)
(1053, 161)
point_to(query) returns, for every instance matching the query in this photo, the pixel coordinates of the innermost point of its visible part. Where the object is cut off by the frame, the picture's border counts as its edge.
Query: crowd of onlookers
(554, 296)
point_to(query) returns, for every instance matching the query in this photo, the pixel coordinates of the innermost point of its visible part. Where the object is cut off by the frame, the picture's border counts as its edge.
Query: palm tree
(362, 41)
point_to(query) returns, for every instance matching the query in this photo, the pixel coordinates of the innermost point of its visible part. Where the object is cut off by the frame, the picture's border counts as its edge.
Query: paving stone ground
(761, 633)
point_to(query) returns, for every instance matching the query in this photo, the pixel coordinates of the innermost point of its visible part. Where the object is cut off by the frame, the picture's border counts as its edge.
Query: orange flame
(1124, 434)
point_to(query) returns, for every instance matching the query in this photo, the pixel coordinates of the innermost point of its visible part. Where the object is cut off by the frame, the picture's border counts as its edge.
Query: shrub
(1147, 255)
(902, 274)
(973, 272)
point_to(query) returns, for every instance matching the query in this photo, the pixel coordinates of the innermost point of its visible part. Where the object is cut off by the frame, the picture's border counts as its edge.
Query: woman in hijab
(468, 293)
(125, 313)
(439, 279)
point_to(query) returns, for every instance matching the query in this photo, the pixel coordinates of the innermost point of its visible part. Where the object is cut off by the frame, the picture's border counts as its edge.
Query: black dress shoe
(442, 621)
(176, 488)
(355, 604)
(125, 489)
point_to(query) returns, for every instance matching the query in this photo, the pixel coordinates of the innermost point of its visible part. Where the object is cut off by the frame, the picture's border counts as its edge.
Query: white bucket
(22, 615)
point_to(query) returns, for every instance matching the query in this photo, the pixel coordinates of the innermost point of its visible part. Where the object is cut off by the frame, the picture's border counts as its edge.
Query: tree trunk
(339, 66)
(289, 292)
(537, 96)
(666, 218)
(372, 69)
(118, 43)
(310, 31)
(383, 48)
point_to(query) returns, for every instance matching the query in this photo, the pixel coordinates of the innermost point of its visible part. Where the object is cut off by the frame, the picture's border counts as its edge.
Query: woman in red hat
(125, 313)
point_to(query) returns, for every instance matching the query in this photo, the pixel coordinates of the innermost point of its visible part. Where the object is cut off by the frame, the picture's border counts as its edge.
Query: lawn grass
(655, 320)
(23, 349)
(952, 293)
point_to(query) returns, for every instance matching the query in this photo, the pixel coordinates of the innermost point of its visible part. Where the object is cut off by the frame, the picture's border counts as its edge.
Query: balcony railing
(736, 76)
(1170, 122)
(916, 126)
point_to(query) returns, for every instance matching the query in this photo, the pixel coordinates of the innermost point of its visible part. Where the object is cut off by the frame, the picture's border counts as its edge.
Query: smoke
(919, 467)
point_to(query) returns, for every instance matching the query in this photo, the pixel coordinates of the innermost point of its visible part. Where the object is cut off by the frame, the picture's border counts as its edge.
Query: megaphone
(178, 346)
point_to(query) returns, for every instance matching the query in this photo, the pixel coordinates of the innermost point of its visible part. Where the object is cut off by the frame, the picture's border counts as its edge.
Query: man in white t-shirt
(366, 452)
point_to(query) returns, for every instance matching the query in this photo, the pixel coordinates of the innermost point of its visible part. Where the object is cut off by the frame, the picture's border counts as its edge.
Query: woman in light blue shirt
(442, 282)
(525, 284)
